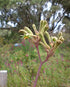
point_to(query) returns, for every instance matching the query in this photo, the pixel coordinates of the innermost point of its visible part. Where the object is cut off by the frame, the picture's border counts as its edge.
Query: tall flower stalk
(39, 39)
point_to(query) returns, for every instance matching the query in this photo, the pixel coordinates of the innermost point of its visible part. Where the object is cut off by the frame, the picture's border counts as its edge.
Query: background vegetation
(20, 57)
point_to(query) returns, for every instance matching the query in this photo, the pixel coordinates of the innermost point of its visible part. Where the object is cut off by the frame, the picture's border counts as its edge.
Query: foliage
(3, 3)
(5, 32)
(1, 41)
(24, 13)
(56, 72)
(65, 4)
(66, 21)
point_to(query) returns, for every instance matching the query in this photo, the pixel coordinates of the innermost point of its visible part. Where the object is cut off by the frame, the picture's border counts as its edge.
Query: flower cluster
(39, 36)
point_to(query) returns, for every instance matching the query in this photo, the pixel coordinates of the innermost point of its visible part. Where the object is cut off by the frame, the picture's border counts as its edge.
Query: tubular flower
(39, 36)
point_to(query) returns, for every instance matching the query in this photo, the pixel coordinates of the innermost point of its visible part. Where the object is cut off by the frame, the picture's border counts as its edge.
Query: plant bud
(54, 38)
(35, 30)
(58, 42)
(46, 28)
(61, 38)
(43, 26)
(60, 34)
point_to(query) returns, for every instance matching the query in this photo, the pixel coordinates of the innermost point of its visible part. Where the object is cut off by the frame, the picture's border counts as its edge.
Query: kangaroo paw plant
(39, 39)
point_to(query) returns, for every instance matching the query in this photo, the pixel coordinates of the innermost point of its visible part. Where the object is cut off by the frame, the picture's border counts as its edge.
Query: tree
(24, 13)
(66, 18)
(65, 4)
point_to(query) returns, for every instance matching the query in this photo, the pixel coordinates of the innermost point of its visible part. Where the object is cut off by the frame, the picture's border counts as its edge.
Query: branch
(46, 59)
(38, 53)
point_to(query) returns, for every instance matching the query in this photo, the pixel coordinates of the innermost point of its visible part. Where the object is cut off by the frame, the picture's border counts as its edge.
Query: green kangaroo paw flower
(60, 34)
(42, 44)
(48, 36)
(28, 30)
(43, 29)
(47, 27)
(30, 35)
(43, 39)
(35, 30)
(44, 26)
(24, 32)
(58, 42)
(61, 38)
(41, 25)
(44, 22)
